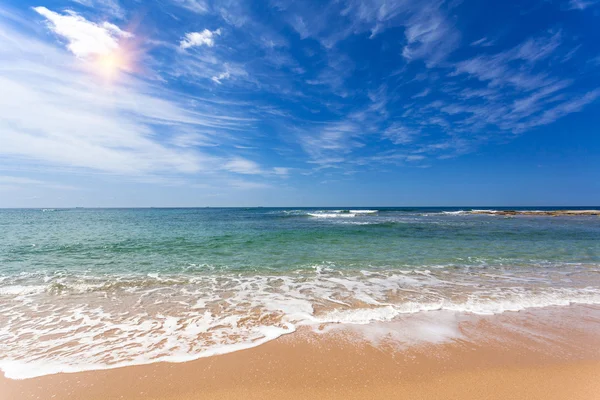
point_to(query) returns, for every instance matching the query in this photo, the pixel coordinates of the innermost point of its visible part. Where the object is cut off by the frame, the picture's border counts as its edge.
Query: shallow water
(92, 288)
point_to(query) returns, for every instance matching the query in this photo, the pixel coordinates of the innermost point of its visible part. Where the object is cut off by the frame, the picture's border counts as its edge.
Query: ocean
(84, 289)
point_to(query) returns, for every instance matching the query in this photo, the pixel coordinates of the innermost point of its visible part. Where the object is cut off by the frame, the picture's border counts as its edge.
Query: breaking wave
(72, 323)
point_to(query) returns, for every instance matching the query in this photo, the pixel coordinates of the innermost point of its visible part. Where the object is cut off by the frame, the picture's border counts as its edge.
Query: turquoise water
(180, 240)
(130, 286)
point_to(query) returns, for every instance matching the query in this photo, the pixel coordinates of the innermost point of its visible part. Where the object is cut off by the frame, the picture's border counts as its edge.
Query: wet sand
(546, 354)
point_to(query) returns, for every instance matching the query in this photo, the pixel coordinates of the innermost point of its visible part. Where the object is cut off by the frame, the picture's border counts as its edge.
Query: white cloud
(243, 166)
(220, 77)
(506, 91)
(84, 37)
(195, 39)
(54, 114)
(231, 72)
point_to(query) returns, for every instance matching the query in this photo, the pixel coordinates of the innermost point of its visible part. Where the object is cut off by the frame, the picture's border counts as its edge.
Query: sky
(182, 103)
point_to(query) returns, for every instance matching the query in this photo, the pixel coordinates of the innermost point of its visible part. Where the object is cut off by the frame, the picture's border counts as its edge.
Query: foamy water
(75, 323)
(109, 288)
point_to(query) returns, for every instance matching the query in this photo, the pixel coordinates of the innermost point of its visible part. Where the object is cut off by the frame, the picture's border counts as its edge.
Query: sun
(110, 65)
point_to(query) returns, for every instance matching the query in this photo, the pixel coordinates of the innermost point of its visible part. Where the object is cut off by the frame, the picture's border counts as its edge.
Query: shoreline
(552, 213)
(550, 353)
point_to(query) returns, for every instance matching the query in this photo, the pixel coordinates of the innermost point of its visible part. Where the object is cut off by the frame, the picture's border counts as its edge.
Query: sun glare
(110, 65)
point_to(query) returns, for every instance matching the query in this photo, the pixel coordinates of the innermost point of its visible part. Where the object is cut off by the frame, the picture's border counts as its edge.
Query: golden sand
(511, 356)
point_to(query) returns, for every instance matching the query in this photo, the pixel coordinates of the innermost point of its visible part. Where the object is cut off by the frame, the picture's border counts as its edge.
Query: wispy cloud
(430, 35)
(422, 93)
(400, 134)
(328, 145)
(581, 4)
(246, 185)
(559, 110)
(512, 90)
(333, 75)
(281, 171)
(243, 166)
(483, 42)
(520, 86)
(498, 70)
(220, 77)
(131, 127)
(16, 182)
(345, 84)
(197, 6)
(111, 7)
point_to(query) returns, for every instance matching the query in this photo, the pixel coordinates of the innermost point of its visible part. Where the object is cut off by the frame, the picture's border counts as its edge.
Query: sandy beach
(289, 199)
(551, 353)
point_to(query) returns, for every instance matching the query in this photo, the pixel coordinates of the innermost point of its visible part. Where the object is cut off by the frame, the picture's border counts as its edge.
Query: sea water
(85, 289)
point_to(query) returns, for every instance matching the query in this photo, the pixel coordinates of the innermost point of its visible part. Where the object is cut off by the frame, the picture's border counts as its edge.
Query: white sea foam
(21, 290)
(431, 327)
(332, 215)
(485, 211)
(90, 322)
(460, 212)
(341, 213)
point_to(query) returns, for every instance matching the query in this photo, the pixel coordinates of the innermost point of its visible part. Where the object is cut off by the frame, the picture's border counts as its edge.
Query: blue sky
(293, 103)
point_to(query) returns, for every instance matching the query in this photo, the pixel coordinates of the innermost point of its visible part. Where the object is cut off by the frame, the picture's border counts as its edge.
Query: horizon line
(317, 206)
